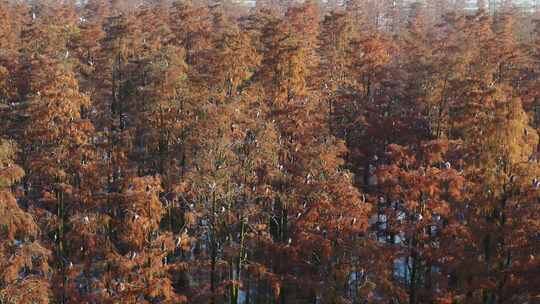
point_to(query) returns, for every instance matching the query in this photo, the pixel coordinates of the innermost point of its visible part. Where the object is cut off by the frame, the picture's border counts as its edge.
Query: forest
(269, 152)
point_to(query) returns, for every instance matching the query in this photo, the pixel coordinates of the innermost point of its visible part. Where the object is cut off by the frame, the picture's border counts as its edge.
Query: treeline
(187, 152)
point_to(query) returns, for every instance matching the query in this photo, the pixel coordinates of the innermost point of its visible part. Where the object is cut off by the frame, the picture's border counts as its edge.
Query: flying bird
(447, 165)
(536, 183)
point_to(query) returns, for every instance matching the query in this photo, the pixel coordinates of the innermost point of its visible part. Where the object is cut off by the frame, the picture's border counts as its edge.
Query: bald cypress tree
(310, 188)
(25, 274)
(504, 170)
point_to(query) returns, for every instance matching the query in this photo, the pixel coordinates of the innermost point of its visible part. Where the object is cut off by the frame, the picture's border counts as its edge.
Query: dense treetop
(366, 151)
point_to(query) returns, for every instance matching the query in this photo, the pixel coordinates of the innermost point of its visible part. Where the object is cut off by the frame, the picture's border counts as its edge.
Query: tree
(310, 187)
(10, 23)
(419, 221)
(25, 262)
(190, 24)
(504, 171)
